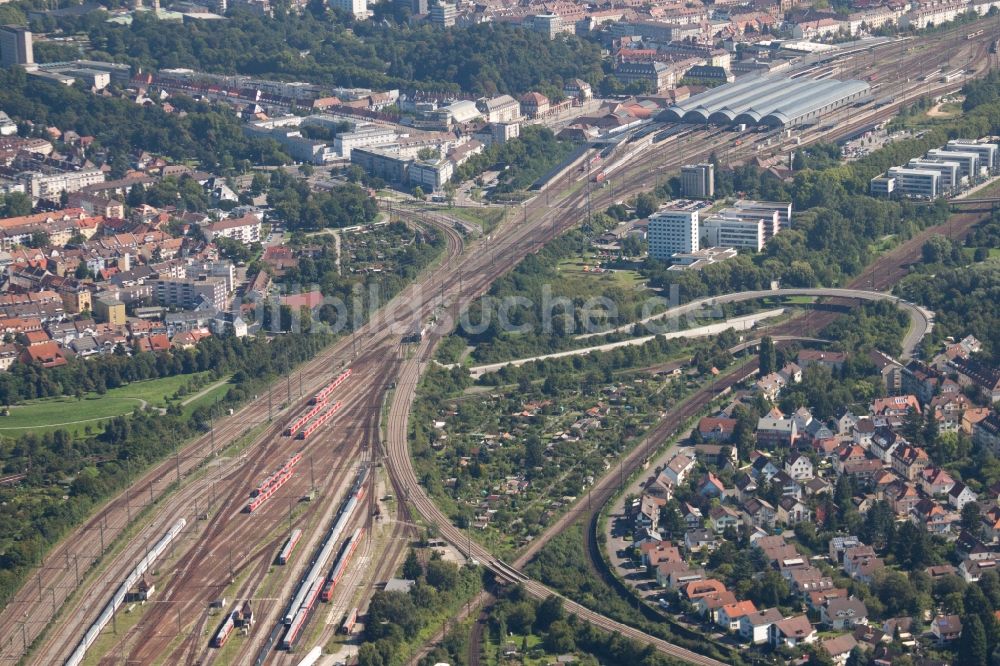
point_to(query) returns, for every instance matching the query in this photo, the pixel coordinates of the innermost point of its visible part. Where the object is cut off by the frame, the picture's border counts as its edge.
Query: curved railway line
(455, 281)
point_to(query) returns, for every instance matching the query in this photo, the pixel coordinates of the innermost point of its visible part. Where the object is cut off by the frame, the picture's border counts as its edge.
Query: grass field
(577, 266)
(486, 218)
(76, 415)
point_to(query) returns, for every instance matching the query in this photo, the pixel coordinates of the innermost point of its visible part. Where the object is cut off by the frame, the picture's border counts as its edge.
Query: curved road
(921, 319)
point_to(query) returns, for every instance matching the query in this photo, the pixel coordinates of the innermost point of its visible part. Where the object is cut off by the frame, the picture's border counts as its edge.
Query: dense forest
(211, 136)
(320, 46)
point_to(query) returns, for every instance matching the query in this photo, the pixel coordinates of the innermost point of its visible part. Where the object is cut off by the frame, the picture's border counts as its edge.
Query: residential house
(756, 627)
(759, 513)
(792, 632)
(839, 648)
(678, 469)
(770, 386)
(695, 540)
(839, 545)
(846, 422)
(844, 614)
(722, 517)
(763, 469)
(703, 588)
(849, 454)
(807, 579)
(711, 486)
(920, 380)
(959, 495)
(883, 443)
(717, 429)
(787, 485)
(896, 406)
(890, 370)
(909, 462)
(862, 563)
(935, 481)
(830, 359)
(708, 606)
(973, 570)
(946, 628)
(799, 467)
(691, 515)
(982, 375)
(774, 432)
(791, 512)
(728, 617)
(863, 431)
(932, 516)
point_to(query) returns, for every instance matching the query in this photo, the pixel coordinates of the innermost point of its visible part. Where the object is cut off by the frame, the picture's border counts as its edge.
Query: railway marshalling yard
(224, 552)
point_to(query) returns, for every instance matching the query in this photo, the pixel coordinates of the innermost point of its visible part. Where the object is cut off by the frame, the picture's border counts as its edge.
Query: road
(744, 323)
(464, 276)
(921, 319)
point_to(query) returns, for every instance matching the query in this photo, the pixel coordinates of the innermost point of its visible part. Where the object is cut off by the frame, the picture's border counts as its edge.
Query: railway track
(29, 612)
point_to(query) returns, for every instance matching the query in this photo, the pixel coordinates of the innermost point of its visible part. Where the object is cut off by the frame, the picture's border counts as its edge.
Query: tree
(411, 566)
(549, 611)
(418, 193)
(39, 239)
(442, 575)
(971, 518)
(645, 205)
(767, 355)
(369, 655)
(972, 648)
(560, 638)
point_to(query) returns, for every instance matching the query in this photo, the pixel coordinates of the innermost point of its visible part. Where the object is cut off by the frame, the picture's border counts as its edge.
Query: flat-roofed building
(950, 178)
(882, 186)
(723, 231)
(969, 160)
(989, 154)
(674, 228)
(698, 181)
(916, 182)
(782, 208)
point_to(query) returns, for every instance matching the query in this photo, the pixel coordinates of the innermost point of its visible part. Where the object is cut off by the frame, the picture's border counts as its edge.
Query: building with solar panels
(771, 101)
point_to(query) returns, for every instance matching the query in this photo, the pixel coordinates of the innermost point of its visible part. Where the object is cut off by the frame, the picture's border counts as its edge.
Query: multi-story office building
(363, 137)
(443, 14)
(674, 228)
(358, 8)
(698, 181)
(916, 182)
(989, 154)
(547, 24)
(882, 186)
(782, 208)
(738, 232)
(968, 160)
(15, 46)
(950, 179)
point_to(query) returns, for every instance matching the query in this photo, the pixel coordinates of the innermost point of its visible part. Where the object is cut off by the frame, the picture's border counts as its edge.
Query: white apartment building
(673, 229)
(245, 229)
(50, 185)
